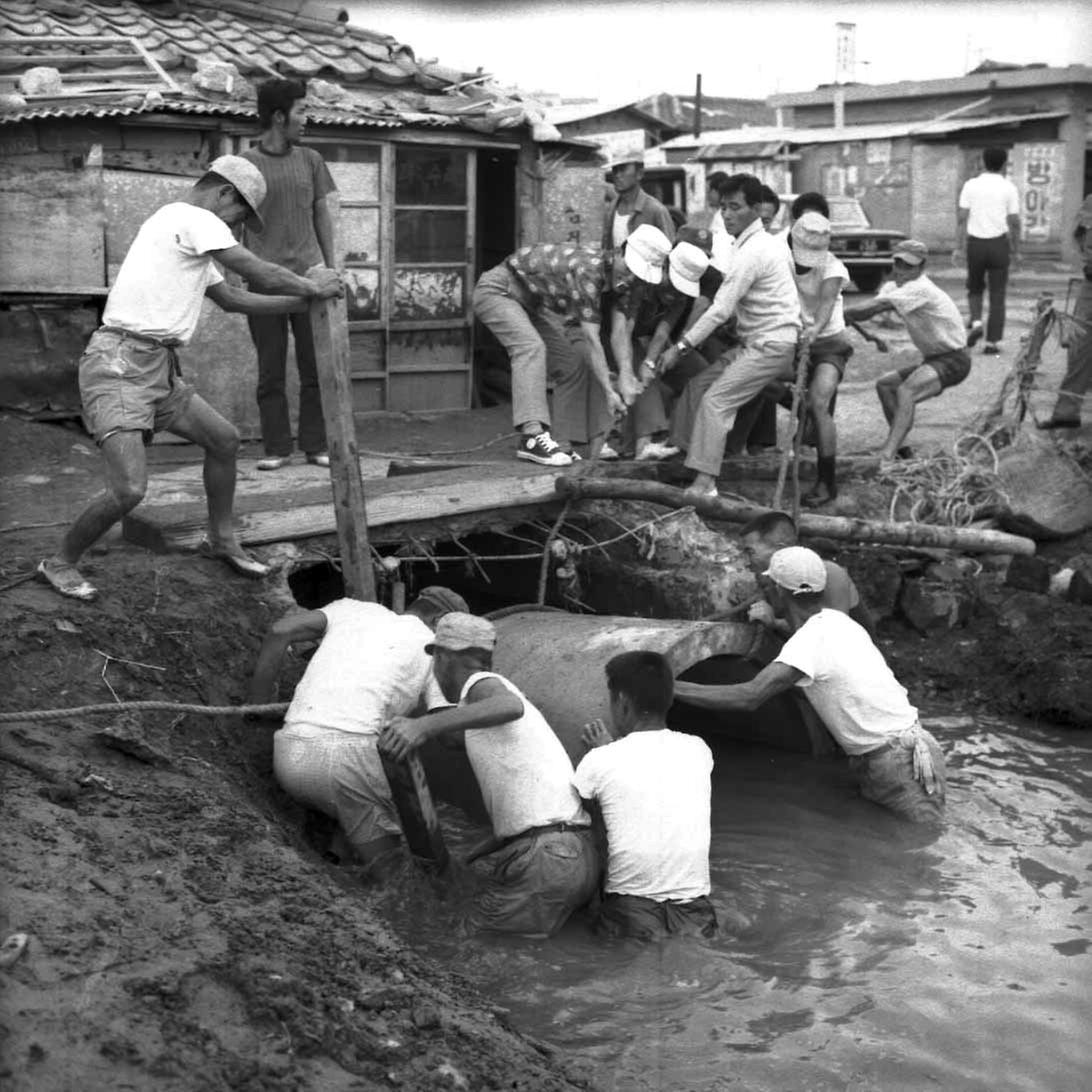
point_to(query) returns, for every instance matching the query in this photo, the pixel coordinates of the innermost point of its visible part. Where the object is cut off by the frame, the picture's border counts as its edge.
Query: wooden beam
(331, 339)
(403, 500)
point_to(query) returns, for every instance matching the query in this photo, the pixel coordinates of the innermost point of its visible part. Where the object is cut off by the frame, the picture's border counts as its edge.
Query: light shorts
(128, 384)
(341, 775)
(535, 882)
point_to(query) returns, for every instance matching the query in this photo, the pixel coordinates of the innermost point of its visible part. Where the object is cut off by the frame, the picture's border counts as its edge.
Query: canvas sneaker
(544, 450)
(974, 334)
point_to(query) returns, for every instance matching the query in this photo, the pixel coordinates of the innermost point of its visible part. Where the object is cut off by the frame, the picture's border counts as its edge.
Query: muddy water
(855, 955)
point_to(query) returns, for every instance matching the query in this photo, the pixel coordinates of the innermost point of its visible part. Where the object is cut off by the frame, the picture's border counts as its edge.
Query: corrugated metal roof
(363, 71)
(728, 142)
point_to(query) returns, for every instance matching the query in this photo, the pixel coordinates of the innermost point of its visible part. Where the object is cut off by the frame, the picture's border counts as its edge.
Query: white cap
(631, 155)
(646, 249)
(247, 180)
(810, 239)
(798, 570)
(686, 266)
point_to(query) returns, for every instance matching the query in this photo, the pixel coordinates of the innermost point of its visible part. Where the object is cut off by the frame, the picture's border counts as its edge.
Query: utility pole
(697, 107)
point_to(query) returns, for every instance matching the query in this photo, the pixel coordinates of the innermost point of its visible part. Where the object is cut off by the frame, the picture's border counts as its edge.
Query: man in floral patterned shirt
(544, 304)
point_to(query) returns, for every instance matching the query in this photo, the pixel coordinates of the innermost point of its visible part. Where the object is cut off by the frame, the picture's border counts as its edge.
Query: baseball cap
(810, 239)
(685, 267)
(910, 251)
(798, 570)
(458, 630)
(700, 237)
(646, 249)
(444, 598)
(631, 155)
(247, 180)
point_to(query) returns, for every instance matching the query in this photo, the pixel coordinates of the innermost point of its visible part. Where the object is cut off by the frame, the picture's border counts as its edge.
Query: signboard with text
(1038, 171)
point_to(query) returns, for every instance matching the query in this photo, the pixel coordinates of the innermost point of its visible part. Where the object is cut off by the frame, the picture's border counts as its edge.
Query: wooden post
(329, 328)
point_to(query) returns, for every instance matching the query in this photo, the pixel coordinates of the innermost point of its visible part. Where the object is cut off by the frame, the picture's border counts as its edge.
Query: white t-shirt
(848, 682)
(808, 285)
(522, 768)
(370, 666)
(620, 229)
(161, 283)
(931, 316)
(990, 199)
(654, 791)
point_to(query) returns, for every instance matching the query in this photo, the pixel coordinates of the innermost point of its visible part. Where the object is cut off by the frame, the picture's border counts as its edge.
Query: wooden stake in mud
(329, 328)
(803, 357)
(330, 331)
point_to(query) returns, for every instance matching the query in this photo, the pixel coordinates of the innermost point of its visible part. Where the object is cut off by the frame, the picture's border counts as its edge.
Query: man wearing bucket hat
(820, 279)
(370, 666)
(936, 329)
(897, 763)
(528, 300)
(130, 380)
(541, 862)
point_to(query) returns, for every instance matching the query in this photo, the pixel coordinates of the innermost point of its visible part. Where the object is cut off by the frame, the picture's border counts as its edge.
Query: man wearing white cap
(526, 302)
(936, 329)
(370, 666)
(760, 290)
(542, 862)
(130, 380)
(898, 764)
(820, 278)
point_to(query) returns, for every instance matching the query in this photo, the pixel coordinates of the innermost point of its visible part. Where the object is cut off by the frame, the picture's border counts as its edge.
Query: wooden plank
(331, 340)
(280, 517)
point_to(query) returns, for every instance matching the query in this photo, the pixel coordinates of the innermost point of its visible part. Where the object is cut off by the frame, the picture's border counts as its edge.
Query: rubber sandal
(238, 560)
(66, 580)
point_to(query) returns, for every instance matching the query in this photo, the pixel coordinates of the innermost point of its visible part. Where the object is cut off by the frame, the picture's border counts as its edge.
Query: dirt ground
(184, 933)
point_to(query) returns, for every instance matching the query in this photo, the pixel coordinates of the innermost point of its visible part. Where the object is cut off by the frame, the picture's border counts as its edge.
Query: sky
(622, 50)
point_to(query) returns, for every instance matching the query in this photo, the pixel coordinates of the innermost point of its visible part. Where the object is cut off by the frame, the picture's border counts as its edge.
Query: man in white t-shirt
(989, 219)
(933, 323)
(541, 861)
(652, 786)
(130, 380)
(898, 764)
(370, 666)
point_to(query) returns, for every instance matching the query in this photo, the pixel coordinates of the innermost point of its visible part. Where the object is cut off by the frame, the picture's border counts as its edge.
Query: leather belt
(547, 828)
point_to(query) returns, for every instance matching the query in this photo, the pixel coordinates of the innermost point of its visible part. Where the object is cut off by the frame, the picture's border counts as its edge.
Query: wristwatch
(683, 344)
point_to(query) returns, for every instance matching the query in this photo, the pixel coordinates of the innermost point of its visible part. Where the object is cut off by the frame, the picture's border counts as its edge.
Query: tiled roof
(359, 76)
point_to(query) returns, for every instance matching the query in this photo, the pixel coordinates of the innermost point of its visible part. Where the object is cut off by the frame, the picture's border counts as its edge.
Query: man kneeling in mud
(898, 764)
(653, 787)
(370, 667)
(542, 859)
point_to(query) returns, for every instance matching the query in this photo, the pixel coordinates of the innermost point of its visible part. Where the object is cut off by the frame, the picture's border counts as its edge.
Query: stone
(928, 605)
(11, 101)
(41, 80)
(1028, 574)
(218, 76)
(1080, 588)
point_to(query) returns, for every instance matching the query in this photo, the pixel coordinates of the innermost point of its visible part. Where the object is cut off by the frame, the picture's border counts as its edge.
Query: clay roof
(356, 76)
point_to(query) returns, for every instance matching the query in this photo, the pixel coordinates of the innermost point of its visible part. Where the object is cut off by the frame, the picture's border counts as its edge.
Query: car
(865, 250)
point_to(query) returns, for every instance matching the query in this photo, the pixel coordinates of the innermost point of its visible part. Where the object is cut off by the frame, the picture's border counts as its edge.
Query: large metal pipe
(558, 660)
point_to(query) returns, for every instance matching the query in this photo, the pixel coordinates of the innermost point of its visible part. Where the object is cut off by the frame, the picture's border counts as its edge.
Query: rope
(433, 454)
(147, 706)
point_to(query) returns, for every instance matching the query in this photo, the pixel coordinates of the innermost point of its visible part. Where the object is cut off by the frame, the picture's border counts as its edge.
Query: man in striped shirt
(298, 234)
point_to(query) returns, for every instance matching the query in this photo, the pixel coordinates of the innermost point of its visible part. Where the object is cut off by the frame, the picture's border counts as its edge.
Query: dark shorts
(127, 384)
(535, 882)
(886, 777)
(951, 367)
(646, 919)
(834, 350)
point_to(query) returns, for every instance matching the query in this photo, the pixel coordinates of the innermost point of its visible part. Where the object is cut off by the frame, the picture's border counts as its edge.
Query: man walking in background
(299, 234)
(989, 219)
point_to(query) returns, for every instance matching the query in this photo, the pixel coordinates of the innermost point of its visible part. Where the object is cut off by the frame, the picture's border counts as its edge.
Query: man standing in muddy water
(897, 763)
(542, 862)
(370, 667)
(130, 380)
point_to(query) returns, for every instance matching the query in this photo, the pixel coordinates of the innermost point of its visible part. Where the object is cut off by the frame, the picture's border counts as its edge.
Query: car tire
(868, 279)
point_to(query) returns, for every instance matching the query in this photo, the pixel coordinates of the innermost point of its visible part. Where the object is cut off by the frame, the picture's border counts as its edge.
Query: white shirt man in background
(653, 788)
(989, 218)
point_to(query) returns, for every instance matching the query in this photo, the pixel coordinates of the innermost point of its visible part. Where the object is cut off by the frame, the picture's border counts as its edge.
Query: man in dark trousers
(989, 219)
(631, 208)
(299, 234)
